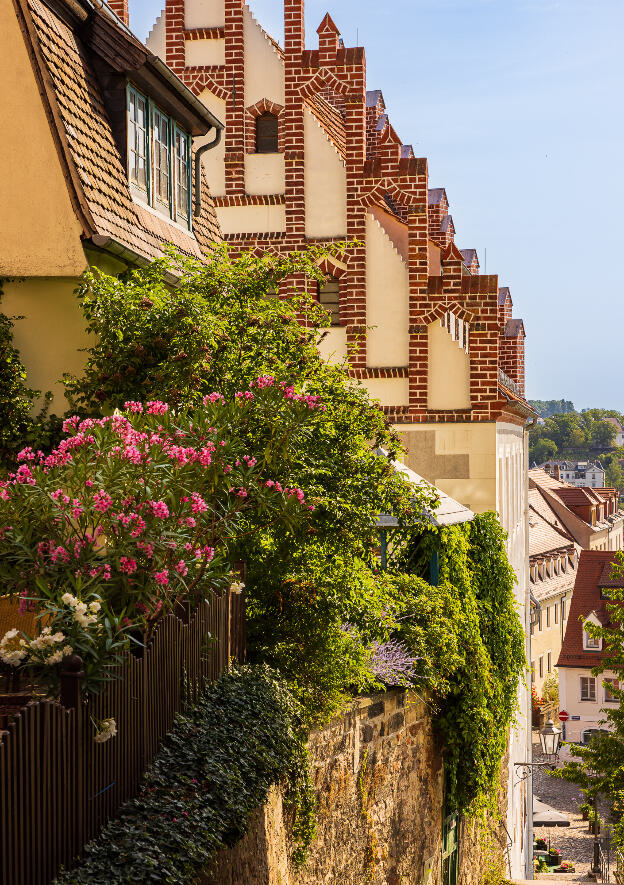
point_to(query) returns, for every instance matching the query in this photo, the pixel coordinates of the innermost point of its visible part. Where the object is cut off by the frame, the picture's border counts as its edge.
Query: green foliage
(547, 407)
(573, 435)
(212, 771)
(16, 398)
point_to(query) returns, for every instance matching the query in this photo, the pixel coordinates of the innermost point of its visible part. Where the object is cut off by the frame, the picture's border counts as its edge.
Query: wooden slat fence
(58, 787)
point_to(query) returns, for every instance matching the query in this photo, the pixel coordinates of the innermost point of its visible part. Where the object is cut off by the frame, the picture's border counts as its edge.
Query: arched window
(329, 297)
(266, 134)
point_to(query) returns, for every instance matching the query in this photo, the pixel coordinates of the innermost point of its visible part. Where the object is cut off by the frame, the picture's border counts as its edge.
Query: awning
(545, 816)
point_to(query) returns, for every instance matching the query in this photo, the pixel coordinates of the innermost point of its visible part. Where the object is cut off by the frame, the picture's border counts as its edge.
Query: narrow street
(574, 842)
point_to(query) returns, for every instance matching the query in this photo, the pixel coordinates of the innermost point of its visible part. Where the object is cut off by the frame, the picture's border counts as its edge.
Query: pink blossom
(88, 483)
(242, 493)
(159, 509)
(162, 577)
(26, 454)
(198, 505)
(213, 398)
(190, 521)
(25, 475)
(77, 509)
(156, 407)
(139, 527)
(148, 549)
(181, 568)
(103, 501)
(127, 565)
(132, 406)
(106, 572)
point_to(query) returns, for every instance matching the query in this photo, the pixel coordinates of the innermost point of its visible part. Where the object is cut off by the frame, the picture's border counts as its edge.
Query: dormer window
(267, 134)
(159, 159)
(591, 643)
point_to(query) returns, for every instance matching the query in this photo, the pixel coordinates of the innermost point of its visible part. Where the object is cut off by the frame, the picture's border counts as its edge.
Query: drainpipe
(198, 158)
(529, 781)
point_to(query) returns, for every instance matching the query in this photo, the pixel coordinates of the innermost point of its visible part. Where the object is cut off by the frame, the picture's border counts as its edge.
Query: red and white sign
(563, 716)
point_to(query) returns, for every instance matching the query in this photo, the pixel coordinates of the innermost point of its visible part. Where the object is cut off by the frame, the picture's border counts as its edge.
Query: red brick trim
(380, 372)
(320, 81)
(250, 200)
(204, 33)
(331, 268)
(441, 309)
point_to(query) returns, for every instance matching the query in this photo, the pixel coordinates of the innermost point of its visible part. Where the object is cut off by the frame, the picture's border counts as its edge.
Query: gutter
(114, 247)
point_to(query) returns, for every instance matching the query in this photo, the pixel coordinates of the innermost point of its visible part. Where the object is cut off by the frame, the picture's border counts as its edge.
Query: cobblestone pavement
(574, 842)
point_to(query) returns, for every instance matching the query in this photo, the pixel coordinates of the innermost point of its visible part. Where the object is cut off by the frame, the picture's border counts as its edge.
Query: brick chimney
(328, 39)
(120, 8)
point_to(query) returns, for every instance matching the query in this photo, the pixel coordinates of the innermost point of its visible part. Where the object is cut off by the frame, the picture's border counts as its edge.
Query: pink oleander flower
(103, 501)
(77, 509)
(181, 568)
(214, 398)
(127, 565)
(26, 454)
(106, 572)
(198, 504)
(132, 406)
(242, 493)
(156, 407)
(162, 577)
(159, 509)
(190, 521)
(89, 483)
(139, 526)
(146, 548)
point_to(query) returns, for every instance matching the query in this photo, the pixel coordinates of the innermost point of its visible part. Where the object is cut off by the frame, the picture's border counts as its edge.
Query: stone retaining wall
(378, 776)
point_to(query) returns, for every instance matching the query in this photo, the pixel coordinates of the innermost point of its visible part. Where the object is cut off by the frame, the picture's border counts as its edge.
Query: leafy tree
(603, 434)
(543, 450)
(548, 407)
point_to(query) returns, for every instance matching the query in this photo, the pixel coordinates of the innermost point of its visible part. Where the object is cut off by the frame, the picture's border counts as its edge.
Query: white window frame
(587, 687)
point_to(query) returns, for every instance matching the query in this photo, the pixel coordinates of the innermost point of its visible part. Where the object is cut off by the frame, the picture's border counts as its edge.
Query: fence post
(71, 676)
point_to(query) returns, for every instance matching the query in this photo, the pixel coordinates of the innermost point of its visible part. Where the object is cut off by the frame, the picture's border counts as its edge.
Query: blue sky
(517, 104)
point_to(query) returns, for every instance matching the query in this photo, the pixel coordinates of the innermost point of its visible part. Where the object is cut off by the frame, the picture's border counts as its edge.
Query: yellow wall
(39, 231)
(448, 381)
(325, 183)
(387, 299)
(51, 333)
(213, 161)
(204, 13)
(333, 347)
(204, 52)
(389, 390)
(264, 69)
(264, 173)
(251, 219)
(458, 458)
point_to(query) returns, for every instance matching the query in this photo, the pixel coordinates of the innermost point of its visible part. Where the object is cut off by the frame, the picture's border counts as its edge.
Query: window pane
(137, 156)
(160, 135)
(267, 134)
(182, 174)
(329, 297)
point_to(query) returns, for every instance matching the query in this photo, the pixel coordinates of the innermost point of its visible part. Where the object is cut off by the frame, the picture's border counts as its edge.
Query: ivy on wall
(212, 771)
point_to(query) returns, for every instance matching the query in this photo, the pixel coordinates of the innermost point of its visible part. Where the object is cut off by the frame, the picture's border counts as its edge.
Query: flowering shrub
(134, 513)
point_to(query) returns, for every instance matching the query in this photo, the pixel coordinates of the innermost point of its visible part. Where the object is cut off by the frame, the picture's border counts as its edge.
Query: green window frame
(159, 158)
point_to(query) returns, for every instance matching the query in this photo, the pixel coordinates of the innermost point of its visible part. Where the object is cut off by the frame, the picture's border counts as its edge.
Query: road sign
(563, 716)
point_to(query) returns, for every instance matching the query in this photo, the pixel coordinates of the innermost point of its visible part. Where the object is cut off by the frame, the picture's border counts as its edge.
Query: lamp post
(550, 738)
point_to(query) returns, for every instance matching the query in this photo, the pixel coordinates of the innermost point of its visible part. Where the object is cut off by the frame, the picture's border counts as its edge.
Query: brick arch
(197, 81)
(439, 310)
(376, 194)
(320, 81)
(263, 106)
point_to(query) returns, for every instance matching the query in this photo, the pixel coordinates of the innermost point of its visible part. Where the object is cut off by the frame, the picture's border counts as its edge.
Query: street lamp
(550, 738)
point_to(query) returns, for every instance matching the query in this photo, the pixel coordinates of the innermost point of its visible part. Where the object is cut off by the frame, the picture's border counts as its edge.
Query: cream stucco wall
(264, 173)
(204, 52)
(590, 714)
(333, 347)
(51, 333)
(213, 161)
(39, 230)
(458, 458)
(157, 37)
(448, 380)
(325, 183)
(204, 13)
(549, 638)
(264, 69)
(389, 390)
(387, 299)
(252, 219)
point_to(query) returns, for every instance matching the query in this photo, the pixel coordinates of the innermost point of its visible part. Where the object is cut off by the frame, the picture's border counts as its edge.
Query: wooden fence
(58, 786)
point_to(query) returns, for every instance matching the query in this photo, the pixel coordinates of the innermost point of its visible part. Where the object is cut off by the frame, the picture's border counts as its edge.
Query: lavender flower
(392, 663)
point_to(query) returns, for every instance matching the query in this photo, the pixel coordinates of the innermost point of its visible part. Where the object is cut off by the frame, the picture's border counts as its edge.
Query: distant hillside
(547, 407)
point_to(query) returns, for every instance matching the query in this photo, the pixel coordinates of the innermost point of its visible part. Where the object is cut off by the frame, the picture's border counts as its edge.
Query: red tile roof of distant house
(593, 573)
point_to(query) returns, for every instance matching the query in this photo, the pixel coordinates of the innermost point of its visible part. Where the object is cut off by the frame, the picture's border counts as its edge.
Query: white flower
(68, 599)
(237, 587)
(105, 730)
(59, 637)
(80, 608)
(67, 650)
(12, 651)
(95, 606)
(81, 619)
(56, 658)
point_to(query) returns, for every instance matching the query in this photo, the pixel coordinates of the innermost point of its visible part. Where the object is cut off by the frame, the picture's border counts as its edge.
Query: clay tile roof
(436, 195)
(373, 96)
(331, 120)
(503, 295)
(586, 599)
(544, 535)
(99, 175)
(513, 328)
